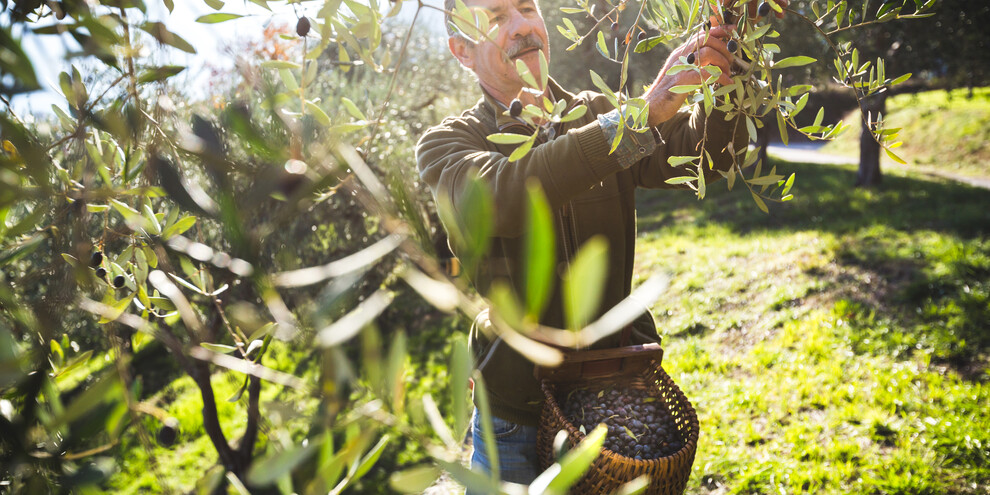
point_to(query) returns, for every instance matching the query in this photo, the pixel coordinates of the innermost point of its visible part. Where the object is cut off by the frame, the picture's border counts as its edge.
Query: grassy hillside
(941, 130)
(838, 345)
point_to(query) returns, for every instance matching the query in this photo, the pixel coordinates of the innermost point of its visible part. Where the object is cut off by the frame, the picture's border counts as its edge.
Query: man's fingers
(721, 31)
(715, 37)
(724, 78)
(709, 48)
(710, 56)
(720, 45)
(783, 5)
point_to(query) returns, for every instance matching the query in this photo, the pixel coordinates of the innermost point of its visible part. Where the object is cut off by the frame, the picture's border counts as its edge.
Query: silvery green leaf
(793, 61)
(602, 46)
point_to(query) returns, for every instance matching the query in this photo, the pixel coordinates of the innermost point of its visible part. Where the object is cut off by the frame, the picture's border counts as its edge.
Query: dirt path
(811, 153)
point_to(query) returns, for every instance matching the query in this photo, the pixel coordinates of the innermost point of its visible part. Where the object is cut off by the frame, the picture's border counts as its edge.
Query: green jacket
(590, 193)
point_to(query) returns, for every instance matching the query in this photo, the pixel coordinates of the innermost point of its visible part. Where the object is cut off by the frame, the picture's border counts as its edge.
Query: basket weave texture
(668, 475)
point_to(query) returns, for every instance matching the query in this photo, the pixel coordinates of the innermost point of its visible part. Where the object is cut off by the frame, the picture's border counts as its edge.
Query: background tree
(944, 50)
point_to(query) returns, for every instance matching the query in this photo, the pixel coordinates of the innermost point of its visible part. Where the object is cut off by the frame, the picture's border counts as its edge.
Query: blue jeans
(516, 447)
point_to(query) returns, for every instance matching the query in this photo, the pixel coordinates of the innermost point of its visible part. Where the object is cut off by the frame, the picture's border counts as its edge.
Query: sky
(48, 51)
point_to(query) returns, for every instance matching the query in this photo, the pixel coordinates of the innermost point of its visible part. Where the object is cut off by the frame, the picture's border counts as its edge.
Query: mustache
(530, 41)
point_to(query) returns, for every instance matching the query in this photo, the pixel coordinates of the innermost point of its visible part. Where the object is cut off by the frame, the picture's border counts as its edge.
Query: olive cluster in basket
(639, 426)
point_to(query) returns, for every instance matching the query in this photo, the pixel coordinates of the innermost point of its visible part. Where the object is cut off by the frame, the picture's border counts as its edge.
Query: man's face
(522, 34)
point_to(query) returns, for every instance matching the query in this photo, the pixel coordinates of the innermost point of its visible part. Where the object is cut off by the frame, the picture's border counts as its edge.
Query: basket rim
(692, 428)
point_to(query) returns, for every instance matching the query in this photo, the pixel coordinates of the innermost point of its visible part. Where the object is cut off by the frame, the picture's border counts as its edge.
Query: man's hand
(705, 48)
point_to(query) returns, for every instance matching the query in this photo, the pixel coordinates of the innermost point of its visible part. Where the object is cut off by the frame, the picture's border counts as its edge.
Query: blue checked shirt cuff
(633, 146)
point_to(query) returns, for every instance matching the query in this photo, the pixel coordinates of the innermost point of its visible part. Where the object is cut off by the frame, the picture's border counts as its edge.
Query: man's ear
(462, 50)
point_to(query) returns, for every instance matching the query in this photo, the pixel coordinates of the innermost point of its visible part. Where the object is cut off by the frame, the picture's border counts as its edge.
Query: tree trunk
(869, 150)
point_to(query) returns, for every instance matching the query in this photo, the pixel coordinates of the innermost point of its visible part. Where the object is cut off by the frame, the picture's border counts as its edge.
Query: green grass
(946, 131)
(838, 345)
(144, 466)
(147, 467)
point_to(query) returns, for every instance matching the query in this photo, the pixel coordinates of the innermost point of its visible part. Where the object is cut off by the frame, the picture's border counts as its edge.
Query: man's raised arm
(449, 154)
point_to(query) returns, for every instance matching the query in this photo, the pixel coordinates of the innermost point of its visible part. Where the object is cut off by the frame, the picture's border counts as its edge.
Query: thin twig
(835, 49)
(20, 122)
(395, 76)
(85, 113)
(239, 339)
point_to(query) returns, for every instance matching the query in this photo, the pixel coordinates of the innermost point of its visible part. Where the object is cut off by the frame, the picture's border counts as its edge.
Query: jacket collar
(500, 111)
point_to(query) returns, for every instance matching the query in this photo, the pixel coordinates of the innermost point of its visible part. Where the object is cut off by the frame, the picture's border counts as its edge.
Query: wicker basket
(630, 367)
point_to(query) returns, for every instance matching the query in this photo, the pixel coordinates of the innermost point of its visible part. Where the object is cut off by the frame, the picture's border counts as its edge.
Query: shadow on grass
(826, 200)
(922, 247)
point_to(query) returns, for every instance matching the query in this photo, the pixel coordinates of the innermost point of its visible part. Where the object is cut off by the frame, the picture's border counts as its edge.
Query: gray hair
(448, 20)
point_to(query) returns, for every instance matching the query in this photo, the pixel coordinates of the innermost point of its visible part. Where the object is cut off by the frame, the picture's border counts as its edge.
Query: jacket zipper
(567, 221)
(567, 231)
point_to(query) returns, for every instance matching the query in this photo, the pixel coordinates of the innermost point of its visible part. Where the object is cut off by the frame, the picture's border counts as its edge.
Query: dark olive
(96, 259)
(732, 45)
(302, 26)
(728, 17)
(641, 36)
(168, 432)
(101, 273)
(690, 58)
(615, 26)
(119, 281)
(764, 9)
(642, 428)
(515, 108)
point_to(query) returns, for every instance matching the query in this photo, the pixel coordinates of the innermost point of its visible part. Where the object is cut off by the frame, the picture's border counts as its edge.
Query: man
(590, 191)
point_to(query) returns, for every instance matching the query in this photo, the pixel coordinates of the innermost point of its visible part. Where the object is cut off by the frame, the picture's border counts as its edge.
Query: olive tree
(279, 216)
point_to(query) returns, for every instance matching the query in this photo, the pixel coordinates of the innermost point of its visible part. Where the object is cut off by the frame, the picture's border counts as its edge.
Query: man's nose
(519, 26)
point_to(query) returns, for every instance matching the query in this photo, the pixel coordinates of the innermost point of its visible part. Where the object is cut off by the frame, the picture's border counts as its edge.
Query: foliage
(948, 50)
(943, 131)
(128, 174)
(571, 65)
(201, 230)
(756, 94)
(904, 47)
